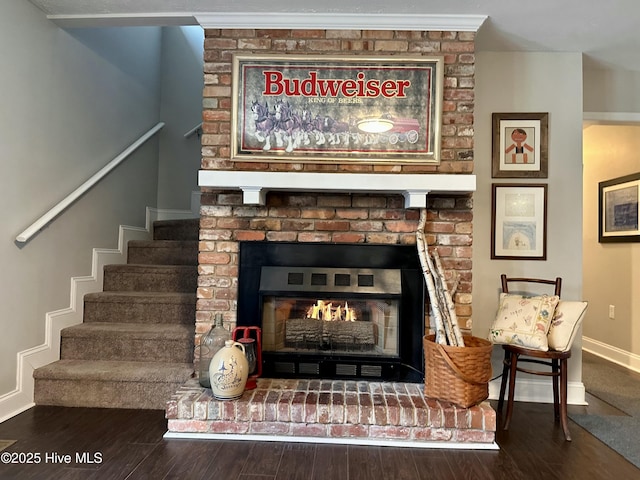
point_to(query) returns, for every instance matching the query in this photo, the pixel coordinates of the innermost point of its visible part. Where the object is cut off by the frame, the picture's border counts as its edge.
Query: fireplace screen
(334, 310)
(335, 325)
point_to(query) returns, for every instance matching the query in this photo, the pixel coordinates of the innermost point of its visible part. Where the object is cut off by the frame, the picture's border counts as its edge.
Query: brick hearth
(333, 411)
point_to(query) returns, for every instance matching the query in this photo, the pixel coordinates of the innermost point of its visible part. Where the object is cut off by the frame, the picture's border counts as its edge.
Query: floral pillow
(523, 320)
(565, 325)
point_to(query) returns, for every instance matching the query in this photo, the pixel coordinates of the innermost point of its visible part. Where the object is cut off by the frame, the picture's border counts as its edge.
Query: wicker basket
(459, 375)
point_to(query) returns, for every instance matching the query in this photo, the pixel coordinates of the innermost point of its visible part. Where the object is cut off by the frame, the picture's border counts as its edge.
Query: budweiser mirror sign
(338, 109)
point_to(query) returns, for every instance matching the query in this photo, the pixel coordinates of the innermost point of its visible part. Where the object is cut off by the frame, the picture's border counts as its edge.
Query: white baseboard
(613, 354)
(540, 391)
(533, 390)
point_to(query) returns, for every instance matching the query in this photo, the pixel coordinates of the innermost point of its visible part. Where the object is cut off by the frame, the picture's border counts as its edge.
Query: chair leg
(563, 399)
(503, 383)
(513, 360)
(555, 378)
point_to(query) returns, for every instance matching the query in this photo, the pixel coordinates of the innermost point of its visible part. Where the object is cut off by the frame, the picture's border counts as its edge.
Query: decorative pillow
(565, 325)
(523, 320)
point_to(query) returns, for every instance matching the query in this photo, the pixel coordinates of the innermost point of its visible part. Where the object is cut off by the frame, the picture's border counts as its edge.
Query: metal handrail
(45, 219)
(195, 130)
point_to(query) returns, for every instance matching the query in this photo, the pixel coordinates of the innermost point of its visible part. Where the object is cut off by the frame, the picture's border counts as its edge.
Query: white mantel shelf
(414, 187)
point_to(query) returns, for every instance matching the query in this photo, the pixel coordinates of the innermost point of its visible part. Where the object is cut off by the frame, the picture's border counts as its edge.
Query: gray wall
(182, 82)
(72, 101)
(611, 90)
(531, 82)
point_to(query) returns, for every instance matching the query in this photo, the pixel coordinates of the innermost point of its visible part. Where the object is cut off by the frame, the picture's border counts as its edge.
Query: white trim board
(342, 21)
(613, 354)
(382, 442)
(278, 20)
(539, 391)
(414, 187)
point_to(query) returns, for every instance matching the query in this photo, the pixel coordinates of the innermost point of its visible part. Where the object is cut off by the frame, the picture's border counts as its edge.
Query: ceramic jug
(228, 371)
(209, 346)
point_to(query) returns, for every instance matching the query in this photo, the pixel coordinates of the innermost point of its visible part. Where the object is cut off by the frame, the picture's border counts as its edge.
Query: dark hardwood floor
(128, 444)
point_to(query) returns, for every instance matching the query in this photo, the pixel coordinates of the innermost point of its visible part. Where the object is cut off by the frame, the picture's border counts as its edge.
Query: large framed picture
(337, 109)
(520, 146)
(519, 221)
(618, 209)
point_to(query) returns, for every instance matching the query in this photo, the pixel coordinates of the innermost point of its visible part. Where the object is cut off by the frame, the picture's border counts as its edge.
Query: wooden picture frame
(340, 109)
(520, 145)
(519, 221)
(618, 209)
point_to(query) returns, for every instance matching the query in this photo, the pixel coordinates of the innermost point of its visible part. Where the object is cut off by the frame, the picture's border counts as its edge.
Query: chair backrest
(557, 283)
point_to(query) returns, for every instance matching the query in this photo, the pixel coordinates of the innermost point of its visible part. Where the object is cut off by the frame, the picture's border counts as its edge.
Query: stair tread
(113, 370)
(163, 243)
(149, 267)
(131, 330)
(141, 297)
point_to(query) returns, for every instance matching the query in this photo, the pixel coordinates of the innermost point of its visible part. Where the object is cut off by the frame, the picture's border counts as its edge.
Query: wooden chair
(515, 355)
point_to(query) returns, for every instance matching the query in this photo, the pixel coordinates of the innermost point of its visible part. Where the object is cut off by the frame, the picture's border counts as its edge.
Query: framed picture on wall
(520, 145)
(618, 209)
(341, 109)
(519, 221)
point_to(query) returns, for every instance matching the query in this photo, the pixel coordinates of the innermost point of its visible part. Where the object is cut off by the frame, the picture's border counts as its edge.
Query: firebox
(334, 311)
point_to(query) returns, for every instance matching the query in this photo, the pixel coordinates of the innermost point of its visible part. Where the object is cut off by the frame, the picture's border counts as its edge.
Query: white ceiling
(606, 32)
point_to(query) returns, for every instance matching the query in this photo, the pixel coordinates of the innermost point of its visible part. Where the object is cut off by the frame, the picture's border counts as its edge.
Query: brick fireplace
(232, 214)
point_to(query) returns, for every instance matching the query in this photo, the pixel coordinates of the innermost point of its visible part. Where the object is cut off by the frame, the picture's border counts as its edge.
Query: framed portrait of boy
(520, 147)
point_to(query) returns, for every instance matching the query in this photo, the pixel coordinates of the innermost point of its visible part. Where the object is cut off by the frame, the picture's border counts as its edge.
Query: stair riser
(162, 256)
(178, 350)
(166, 281)
(139, 313)
(98, 394)
(168, 230)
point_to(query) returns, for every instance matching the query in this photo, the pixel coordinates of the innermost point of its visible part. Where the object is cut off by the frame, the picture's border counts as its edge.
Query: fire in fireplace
(334, 311)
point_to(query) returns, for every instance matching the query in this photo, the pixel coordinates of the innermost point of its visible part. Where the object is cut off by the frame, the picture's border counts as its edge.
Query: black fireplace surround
(406, 366)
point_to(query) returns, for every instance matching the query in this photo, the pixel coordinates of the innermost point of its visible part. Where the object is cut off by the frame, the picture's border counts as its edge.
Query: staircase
(135, 346)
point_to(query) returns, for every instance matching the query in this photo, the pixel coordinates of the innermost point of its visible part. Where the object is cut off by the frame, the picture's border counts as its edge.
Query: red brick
(249, 236)
(407, 411)
(228, 427)
(297, 407)
(349, 237)
(366, 409)
(352, 411)
(311, 408)
(473, 436)
(190, 426)
(348, 431)
(284, 407)
(432, 434)
(337, 408)
(271, 406)
(270, 428)
(389, 431)
(256, 407)
(324, 407)
(309, 430)
(393, 409)
(379, 409)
